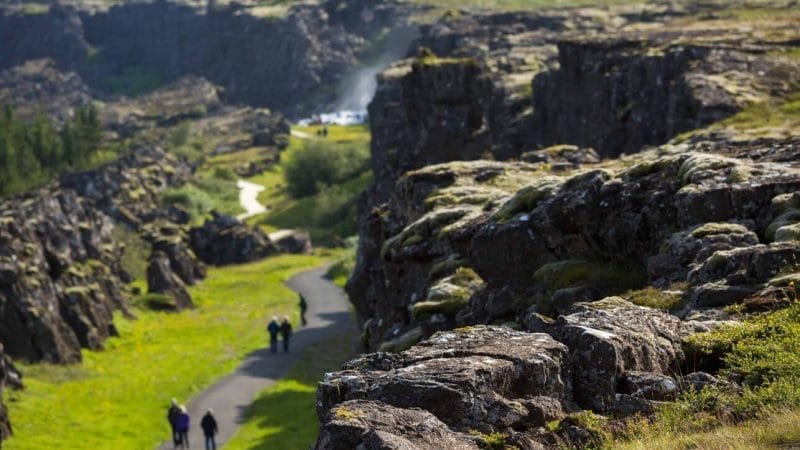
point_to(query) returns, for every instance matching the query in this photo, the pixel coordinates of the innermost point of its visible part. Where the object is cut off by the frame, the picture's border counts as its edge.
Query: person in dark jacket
(286, 332)
(182, 426)
(209, 426)
(172, 417)
(273, 328)
(303, 308)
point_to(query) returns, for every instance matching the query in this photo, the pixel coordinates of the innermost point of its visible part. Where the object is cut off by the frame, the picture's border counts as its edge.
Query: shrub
(224, 173)
(320, 163)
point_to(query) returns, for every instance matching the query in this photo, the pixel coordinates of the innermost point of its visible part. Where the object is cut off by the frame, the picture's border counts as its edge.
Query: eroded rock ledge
(460, 387)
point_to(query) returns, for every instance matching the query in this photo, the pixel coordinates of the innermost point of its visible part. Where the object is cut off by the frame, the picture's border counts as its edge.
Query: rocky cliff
(289, 62)
(522, 293)
(62, 280)
(612, 93)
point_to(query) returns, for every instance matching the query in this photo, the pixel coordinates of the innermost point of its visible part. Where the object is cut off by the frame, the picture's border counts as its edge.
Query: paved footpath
(328, 314)
(248, 197)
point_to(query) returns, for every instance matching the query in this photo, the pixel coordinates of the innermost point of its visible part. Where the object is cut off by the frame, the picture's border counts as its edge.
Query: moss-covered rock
(526, 198)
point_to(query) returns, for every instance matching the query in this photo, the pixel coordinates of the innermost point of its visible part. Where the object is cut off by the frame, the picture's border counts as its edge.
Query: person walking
(303, 308)
(273, 328)
(209, 426)
(286, 332)
(172, 417)
(182, 425)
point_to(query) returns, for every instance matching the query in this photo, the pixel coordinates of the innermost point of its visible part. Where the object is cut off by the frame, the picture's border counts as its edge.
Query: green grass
(779, 429)
(344, 263)
(116, 398)
(283, 416)
(210, 191)
(442, 6)
(656, 298)
(764, 354)
(330, 215)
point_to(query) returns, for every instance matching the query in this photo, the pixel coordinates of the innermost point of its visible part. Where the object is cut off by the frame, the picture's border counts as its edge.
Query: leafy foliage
(33, 153)
(320, 164)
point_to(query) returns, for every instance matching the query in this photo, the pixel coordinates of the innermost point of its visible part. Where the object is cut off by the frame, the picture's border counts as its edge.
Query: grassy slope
(283, 416)
(287, 212)
(116, 398)
(779, 429)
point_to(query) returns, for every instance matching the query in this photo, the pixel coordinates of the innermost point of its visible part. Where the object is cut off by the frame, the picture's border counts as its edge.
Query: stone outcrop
(186, 99)
(161, 279)
(622, 94)
(569, 243)
(292, 241)
(272, 57)
(376, 425)
(482, 378)
(37, 86)
(226, 240)
(61, 276)
(465, 385)
(611, 339)
(5, 423)
(129, 188)
(530, 233)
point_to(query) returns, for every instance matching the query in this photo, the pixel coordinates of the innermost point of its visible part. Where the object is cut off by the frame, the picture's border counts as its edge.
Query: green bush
(224, 173)
(321, 163)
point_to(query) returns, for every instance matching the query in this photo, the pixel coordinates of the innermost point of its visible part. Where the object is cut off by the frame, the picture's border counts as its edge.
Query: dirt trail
(328, 314)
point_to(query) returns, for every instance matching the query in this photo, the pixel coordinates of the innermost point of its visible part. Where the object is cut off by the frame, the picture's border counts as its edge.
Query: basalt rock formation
(297, 53)
(637, 188)
(226, 240)
(61, 277)
(37, 86)
(5, 424)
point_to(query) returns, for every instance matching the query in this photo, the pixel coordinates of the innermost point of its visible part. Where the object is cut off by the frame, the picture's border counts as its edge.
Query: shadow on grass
(284, 416)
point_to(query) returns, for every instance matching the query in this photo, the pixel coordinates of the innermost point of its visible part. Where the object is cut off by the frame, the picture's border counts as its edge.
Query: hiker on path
(303, 308)
(182, 425)
(273, 328)
(286, 332)
(172, 417)
(209, 426)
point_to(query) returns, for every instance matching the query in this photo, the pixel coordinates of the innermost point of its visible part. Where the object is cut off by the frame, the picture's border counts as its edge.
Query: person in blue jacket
(182, 427)
(273, 328)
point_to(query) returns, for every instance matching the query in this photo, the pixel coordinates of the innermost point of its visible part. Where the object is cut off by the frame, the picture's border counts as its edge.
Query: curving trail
(248, 197)
(328, 314)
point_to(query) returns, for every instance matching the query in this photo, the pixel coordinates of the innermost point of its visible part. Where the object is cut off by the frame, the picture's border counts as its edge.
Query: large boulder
(374, 425)
(292, 241)
(162, 280)
(226, 240)
(61, 278)
(610, 338)
(473, 378)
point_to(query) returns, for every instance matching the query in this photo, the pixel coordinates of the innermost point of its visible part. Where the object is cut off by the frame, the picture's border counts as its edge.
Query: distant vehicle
(344, 117)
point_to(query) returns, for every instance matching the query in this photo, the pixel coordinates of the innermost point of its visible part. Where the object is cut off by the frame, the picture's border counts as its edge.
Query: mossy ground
(283, 417)
(116, 398)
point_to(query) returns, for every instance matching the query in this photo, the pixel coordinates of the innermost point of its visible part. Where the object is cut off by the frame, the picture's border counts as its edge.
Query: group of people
(180, 422)
(178, 416)
(284, 328)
